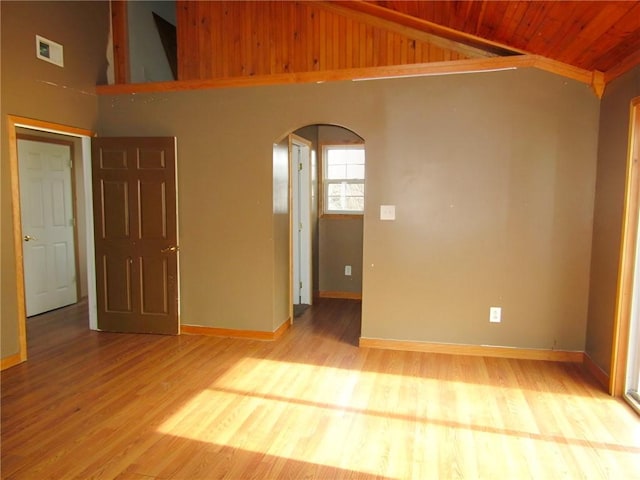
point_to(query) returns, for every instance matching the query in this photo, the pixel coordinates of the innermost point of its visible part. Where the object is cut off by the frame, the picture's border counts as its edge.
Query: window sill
(342, 216)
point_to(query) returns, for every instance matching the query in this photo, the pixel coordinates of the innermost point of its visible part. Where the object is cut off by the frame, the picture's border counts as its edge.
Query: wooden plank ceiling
(592, 35)
(254, 38)
(223, 39)
(227, 43)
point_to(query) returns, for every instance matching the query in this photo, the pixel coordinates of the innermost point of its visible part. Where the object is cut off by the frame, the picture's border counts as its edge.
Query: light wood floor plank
(309, 405)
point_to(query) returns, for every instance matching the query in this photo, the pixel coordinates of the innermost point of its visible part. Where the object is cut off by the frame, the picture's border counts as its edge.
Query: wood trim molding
(341, 216)
(368, 73)
(37, 138)
(343, 295)
(562, 69)
(598, 83)
(473, 350)
(11, 360)
(13, 122)
(21, 305)
(598, 373)
(233, 333)
(290, 221)
(293, 138)
(32, 123)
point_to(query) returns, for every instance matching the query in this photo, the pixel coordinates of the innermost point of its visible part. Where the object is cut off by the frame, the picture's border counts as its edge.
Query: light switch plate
(387, 212)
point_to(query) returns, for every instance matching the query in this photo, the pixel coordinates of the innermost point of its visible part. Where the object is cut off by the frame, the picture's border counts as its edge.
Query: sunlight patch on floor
(344, 418)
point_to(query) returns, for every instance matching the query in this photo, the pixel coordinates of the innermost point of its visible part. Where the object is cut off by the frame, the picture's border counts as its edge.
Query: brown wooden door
(134, 208)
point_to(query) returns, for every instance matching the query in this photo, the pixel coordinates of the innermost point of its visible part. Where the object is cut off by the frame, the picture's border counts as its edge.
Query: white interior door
(301, 212)
(47, 225)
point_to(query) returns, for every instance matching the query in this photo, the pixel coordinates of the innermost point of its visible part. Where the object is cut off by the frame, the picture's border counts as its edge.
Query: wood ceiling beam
(395, 71)
(410, 70)
(459, 41)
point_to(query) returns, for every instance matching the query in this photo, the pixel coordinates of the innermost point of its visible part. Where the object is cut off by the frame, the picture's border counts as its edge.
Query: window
(343, 179)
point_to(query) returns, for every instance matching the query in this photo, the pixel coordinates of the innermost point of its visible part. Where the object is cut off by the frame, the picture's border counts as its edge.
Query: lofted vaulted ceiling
(592, 35)
(230, 43)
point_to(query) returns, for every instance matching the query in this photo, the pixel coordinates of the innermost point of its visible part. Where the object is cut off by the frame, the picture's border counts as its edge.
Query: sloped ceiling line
(595, 36)
(457, 26)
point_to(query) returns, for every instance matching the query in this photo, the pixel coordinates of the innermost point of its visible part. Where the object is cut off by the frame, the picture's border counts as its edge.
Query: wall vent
(49, 51)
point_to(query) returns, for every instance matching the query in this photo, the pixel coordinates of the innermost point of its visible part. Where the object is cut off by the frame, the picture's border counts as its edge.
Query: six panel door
(135, 222)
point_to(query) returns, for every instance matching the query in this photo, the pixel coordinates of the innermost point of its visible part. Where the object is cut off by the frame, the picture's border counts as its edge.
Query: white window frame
(342, 181)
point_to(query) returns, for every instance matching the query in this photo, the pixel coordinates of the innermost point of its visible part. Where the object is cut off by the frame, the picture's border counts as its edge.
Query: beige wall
(340, 245)
(492, 176)
(607, 225)
(147, 58)
(36, 89)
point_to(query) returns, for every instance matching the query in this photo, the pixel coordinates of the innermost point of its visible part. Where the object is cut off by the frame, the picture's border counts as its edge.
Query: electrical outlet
(347, 270)
(387, 212)
(495, 314)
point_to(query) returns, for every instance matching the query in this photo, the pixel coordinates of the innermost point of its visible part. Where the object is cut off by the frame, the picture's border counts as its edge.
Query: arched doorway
(334, 261)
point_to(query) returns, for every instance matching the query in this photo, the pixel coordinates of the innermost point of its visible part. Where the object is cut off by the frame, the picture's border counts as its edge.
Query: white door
(47, 225)
(301, 213)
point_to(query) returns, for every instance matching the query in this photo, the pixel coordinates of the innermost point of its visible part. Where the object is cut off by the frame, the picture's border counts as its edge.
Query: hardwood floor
(310, 405)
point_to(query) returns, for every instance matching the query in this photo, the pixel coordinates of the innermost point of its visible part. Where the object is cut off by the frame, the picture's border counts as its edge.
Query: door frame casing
(631, 210)
(303, 191)
(13, 122)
